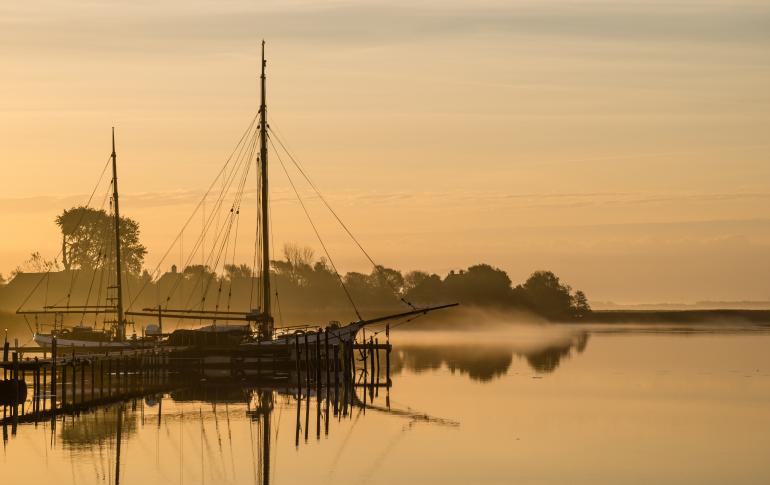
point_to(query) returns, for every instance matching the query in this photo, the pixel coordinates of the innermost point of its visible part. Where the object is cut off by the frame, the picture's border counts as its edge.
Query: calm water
(540, 405)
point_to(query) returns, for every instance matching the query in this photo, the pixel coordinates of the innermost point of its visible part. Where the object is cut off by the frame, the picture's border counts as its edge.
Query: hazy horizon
(621, 145)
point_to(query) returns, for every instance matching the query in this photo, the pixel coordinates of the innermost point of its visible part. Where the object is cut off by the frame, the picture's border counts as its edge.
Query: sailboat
(83, 335)
(250, 332)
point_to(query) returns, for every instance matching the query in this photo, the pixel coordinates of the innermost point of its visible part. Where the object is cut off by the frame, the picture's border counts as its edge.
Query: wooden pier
(67, 380)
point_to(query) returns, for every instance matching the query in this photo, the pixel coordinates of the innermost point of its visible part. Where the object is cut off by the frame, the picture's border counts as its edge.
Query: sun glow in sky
(623, 145)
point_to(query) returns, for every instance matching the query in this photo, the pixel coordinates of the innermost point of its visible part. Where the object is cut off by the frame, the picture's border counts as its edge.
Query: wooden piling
(371, 353)
(109, 376)
(327, 356)
(53, 373)
(307, 364)
(64, 383)
(82, 381)
(335, 350)
(299, 373)
(318, 359)
(45, 382)
(387, 355)
(74, 381)
(6, 348)
(15, 377)
(377, 359)
(36, 382)
(347, 375)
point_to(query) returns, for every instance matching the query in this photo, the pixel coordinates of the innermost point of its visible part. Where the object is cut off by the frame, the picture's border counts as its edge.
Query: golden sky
(623, 145)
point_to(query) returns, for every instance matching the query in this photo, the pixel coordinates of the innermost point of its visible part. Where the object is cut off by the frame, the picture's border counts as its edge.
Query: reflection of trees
(484, 362)
(97, 427)
(480, 363)
(548, 358)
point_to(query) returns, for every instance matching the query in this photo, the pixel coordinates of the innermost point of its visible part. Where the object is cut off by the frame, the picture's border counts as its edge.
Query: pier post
(371, 352)
(307, 364)
(36, 381)
(15, 377)
(64, 383)
(82, 381)
(318, 359)
(387, 355)
(6, 348)
(45, 383)
(74, 380)
(53, 373)
(299, 374)
(371, 356)
(364, 349)
(327, 356)
(377, 350)
(335, 351)
(345, 376)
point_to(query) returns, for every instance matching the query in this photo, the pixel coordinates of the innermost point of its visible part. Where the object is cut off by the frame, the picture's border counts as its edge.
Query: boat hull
(45, 341)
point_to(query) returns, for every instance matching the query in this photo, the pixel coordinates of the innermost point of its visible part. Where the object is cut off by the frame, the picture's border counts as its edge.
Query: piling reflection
(202, 424)
(97, 426)
(216, 411)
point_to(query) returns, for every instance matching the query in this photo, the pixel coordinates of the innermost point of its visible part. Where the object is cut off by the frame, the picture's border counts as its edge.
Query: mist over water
(514, 401)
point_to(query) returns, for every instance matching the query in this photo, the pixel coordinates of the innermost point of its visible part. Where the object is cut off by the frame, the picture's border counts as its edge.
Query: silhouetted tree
(36, 264)
(198, 271)
(297, 255)
(237, 271)
(580, 304)
(479, 285)
(87, 240)
(423, 288)
(547, 296)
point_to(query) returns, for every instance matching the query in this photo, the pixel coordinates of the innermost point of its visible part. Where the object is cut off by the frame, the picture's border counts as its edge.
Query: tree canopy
(88, 240)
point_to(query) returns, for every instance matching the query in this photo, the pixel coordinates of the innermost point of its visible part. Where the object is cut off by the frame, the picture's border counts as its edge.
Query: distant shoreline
(726, 316)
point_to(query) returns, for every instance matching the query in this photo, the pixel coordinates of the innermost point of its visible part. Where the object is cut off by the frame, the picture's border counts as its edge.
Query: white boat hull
(45, 341)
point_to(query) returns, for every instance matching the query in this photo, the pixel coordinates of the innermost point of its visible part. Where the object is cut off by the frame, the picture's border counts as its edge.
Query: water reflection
(485, 362)
(710, 403)
(200, 427)
(97, 427)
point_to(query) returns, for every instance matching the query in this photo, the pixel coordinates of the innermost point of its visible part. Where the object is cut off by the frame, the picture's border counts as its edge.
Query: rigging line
(75, 275)
(377, 267)
(102, 256)
(237, 209)
(103, 282)
(207, 227)
(229, 221)
(232, 261)
(204, 289)
(206, 261)
(222, 249)
(320, 240)
(184, 226)
(231, 177)
(272, 245)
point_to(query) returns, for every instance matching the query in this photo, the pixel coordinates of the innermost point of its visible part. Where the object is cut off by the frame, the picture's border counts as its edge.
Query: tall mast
(266, 312)
(118, 281)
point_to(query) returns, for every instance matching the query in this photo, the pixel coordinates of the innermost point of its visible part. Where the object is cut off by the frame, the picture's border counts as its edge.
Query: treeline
(303, 287)
(480, 285)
